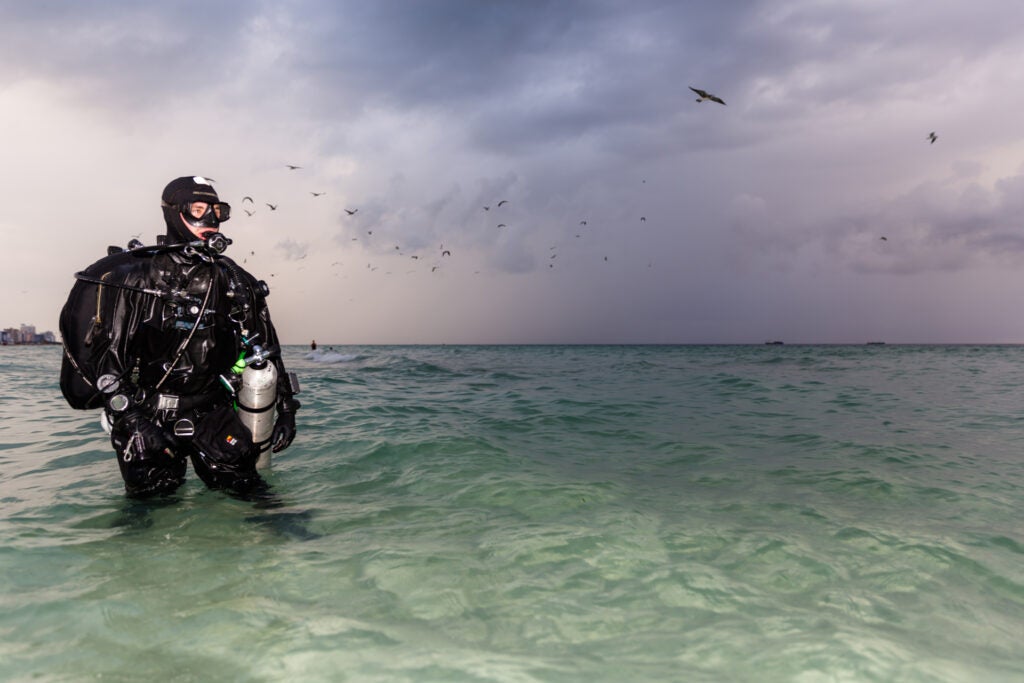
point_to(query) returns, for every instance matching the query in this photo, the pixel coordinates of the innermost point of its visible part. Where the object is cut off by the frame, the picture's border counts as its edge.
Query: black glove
(284, 428)
(145, 439)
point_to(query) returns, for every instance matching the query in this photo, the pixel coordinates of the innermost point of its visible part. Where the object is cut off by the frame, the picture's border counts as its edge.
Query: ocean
(533, 514)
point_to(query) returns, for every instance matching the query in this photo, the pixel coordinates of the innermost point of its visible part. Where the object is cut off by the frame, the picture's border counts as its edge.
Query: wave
(319, 356)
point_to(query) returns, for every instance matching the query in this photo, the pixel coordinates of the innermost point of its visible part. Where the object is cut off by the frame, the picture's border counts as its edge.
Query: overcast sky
(632, 213)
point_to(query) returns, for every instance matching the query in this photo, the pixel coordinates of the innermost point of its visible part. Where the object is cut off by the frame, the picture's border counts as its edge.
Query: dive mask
(209, 217)
(197, 216)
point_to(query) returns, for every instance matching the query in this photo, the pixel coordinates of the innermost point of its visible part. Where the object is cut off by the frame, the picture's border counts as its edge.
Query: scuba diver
(168, 340)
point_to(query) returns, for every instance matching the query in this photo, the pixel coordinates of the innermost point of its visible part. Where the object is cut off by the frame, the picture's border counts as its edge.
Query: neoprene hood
(181, 191)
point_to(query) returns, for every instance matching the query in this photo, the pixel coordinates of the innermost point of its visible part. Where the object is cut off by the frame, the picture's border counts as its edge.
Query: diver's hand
(284, 428)
(144, 437)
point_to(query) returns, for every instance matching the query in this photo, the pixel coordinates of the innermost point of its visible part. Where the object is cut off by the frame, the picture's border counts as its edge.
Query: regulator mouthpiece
(217, 243)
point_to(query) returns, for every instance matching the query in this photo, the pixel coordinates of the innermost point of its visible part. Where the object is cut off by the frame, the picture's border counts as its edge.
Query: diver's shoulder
(229, 262)
(121, 262)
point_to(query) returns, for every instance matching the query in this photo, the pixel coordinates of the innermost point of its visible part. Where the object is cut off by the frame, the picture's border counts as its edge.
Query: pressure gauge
(107, 383)
(118, 403)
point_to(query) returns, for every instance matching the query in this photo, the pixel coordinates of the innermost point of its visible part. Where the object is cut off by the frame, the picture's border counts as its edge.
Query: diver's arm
(287, 387)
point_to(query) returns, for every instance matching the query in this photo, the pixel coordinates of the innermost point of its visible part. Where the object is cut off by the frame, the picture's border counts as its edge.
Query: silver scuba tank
(256, 399)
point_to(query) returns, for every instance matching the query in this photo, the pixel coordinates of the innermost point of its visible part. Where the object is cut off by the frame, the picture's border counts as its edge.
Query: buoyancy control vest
(161, 319)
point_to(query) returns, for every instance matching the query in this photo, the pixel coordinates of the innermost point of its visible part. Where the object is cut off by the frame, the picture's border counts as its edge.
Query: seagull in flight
(704, 95)
(273, 207)
(503, 201)
(291, 167)
(351, 211)
(932, 137)
(317, 194)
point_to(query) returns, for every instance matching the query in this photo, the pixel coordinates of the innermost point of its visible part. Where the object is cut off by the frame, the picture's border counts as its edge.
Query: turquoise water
(521, 514)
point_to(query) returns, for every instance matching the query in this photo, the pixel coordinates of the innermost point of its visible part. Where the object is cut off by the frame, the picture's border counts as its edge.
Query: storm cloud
(632, 214)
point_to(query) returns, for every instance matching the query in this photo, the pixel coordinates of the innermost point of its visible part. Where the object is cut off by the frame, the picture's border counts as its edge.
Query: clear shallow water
(541, 513)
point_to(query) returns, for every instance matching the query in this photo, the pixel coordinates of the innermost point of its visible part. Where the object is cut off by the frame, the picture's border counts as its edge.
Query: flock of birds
(249, 205)
(703, 95)
(251, 208)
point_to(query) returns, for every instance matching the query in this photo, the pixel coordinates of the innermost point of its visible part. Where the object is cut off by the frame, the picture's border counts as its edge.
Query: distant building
(26, 334)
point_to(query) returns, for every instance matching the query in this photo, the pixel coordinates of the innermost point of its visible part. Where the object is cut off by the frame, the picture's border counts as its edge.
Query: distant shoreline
(775, 345)
(325, 347)
(32, 344)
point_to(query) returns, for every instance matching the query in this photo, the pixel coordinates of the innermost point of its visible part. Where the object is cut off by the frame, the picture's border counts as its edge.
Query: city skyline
(26, 334)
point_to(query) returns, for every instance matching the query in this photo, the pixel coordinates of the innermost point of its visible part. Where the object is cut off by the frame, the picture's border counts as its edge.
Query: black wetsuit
(167, 323)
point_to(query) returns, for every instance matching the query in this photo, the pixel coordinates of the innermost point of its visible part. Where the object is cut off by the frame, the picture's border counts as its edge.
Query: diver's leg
(224, 456)
(146, 473)
(237, 475)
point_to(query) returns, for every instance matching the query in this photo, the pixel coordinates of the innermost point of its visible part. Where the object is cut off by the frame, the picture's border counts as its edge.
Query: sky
(537, 171)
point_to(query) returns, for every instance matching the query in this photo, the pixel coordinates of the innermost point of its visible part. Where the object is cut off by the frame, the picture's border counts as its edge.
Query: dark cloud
(937, 226)
(421, 113)
(123, 54)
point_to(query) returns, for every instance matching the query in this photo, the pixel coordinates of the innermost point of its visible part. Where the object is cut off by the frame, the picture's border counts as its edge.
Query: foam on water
(544, 514)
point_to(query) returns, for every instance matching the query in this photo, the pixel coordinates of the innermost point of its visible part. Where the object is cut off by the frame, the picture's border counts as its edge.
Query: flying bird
(248, 212)
(503, 201)
(704, 95)
(884, 238)
(932, 137)
(446, 253)
(273, 207)
(249, 198)
(502, 225)
(317, 194)
(351, 211)
(292, 168)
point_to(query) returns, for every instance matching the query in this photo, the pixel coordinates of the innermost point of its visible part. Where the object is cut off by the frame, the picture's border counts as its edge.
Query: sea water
(543, 513)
